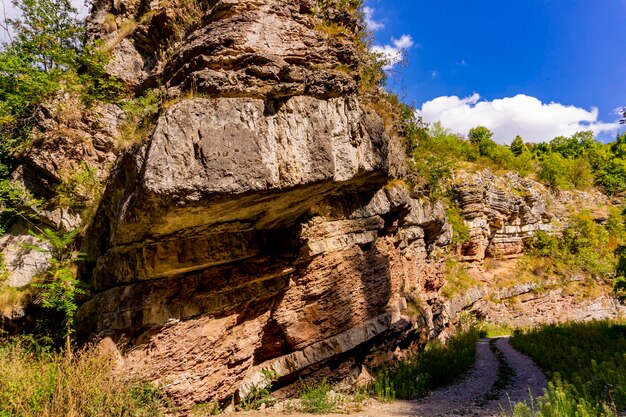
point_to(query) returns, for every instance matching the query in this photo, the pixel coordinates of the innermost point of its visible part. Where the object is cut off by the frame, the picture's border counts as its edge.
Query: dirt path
(501, 376)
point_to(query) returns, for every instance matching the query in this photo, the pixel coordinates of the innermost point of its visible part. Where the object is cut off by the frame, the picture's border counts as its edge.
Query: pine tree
(518, 147)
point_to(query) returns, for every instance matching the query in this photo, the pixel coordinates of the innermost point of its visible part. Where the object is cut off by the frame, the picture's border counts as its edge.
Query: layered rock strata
(259, 227)
(504, 211)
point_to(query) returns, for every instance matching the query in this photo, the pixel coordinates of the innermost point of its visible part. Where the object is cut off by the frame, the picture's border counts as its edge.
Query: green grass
(37, 382)
(492, 330)
(586, 364)
(438, 365)
(314, 398)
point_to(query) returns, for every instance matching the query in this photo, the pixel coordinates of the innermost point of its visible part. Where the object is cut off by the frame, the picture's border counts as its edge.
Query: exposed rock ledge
(249, 234)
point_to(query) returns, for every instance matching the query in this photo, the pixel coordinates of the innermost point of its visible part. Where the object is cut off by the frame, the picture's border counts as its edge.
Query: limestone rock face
(259, 226)
(67, 139)
(207, 313)
(504, 211)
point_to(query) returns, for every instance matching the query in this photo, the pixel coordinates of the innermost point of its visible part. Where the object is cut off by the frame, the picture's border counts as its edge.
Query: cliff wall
(259, 226)
(263, 222)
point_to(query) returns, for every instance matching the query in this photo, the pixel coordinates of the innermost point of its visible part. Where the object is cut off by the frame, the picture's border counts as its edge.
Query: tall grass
(587, 366)
(47, 384)
(438, 365)
(315, 398)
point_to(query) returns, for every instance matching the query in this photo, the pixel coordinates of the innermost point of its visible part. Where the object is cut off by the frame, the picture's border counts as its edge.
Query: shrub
(517, 146)
(260, 395)
(460, 231)
(585, 246)
(80, 188)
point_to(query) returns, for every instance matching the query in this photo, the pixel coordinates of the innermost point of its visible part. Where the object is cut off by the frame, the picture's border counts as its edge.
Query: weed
(44, 383)
(438, 365)
(315, 399)
(211, 408)
(586, 364)
(140, 116)
(458, 279)
(260, 394)
(460, 231)
(80, 188)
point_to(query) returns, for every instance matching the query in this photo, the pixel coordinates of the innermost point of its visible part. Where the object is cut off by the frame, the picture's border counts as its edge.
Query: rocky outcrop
(67, 140)
(260, 225)
(504, 211)
(344, 276)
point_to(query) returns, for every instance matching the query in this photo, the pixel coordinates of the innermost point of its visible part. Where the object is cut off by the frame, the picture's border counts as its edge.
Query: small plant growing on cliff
(315, 397)
(261, 394)
(59, 286)
(81, 188)
(460, 231)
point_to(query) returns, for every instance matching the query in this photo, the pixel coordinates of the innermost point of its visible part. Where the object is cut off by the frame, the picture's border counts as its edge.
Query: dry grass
(332, 29)
(12, 298)
(458, 279)
(49, 385)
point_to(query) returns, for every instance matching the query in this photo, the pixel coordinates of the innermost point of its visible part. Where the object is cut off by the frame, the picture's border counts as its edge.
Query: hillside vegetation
(587, 367)
(576, 162)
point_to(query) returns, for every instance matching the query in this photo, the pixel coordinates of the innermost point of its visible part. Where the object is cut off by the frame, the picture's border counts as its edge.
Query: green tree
(578, 173)
(47, 42)
(518, 147)
(45, 54)
(613, 176)
(479, 134)
(619, 146)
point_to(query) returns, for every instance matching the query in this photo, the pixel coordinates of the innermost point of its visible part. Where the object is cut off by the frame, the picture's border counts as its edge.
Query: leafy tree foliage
(479, 134)
(518, 147)
(45, 54)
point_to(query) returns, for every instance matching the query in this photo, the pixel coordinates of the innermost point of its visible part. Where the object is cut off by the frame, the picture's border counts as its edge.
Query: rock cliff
(263, 223)
(503, 213)
(259, 227)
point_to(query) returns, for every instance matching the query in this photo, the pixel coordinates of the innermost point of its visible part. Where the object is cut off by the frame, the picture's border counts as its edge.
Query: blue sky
(548, 64)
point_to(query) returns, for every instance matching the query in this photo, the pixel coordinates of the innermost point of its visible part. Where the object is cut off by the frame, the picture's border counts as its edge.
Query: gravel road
(501, 376)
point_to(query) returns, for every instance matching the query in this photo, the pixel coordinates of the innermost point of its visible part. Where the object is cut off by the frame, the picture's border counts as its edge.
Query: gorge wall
(264, 223)
(259, 227)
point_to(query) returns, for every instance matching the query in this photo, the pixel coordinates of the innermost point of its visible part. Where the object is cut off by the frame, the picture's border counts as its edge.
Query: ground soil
(500, 377)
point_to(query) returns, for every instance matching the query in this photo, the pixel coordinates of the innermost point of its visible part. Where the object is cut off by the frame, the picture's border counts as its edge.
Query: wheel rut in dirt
(500, 377)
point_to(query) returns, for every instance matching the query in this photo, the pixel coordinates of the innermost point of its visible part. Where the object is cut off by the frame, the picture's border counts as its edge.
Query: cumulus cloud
(510, 116)
(372, 24)
(393, 53)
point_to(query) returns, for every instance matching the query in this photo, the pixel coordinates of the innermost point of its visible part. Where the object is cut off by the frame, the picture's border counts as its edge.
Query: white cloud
(462, 63)
(393, 54)
(373, 25)
(510, 116)
(434, 74)
(404, 42)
